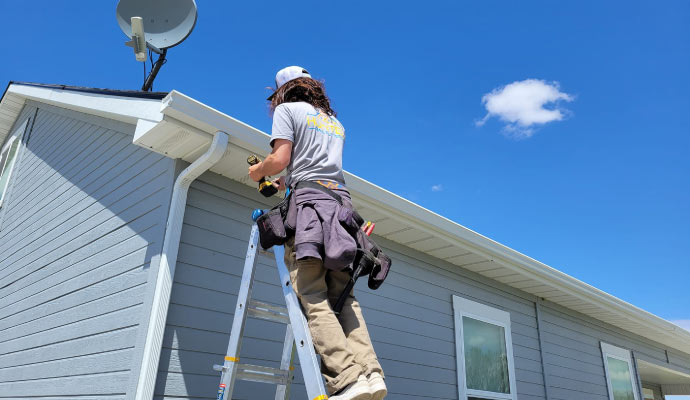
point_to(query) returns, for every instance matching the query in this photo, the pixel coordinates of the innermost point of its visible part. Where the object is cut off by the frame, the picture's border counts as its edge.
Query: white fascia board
(209, 120)
(120, 108)
(438, 225)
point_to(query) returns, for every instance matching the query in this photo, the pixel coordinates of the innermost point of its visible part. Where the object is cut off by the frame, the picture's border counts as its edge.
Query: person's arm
(277, 161)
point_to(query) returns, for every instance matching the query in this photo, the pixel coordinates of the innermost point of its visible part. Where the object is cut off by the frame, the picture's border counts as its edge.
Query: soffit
(653, 373)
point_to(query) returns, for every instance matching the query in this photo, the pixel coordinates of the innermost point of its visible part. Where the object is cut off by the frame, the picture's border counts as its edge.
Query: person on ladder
(308, 140)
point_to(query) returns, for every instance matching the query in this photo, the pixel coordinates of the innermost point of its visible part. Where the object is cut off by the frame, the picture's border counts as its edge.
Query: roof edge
(208, 119)
(118, 105)
(504, 255)
(110, 92)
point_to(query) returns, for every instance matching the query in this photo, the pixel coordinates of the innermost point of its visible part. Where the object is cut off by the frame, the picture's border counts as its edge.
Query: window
(484, 351)
(8, 156)
(620, 377)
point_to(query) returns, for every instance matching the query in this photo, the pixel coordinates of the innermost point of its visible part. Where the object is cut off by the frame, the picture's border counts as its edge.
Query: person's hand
(255, 172)
(280, 183)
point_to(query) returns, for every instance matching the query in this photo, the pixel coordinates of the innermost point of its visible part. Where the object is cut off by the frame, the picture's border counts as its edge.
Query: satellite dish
(156, 24)
(166, 22)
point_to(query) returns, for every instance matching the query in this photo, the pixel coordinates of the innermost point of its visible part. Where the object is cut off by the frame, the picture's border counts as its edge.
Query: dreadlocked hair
(303, 89)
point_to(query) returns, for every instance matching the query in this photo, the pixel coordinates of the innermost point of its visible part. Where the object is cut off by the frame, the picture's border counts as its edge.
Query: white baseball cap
(287, 74)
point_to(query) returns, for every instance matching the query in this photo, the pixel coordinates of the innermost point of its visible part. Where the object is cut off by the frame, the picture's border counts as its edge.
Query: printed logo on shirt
(330, 185)
(323, 123)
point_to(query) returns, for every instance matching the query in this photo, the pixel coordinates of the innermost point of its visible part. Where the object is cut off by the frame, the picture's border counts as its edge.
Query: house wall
(84, 218)
(83, 225)
(572, 353)
(410, 318)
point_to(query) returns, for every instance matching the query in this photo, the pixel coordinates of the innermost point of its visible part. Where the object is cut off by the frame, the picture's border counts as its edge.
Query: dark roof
(111, 92)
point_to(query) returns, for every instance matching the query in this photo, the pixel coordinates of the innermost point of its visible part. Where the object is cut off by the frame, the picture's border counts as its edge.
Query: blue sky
(602, 192)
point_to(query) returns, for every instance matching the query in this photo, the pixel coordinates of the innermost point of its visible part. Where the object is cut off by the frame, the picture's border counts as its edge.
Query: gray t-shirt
(317, 142)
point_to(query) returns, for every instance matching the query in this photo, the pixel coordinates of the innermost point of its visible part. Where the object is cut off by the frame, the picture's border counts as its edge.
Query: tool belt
(279, 223)
(273, 227)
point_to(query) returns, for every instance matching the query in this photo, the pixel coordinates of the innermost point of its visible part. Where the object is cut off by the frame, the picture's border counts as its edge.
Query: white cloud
(521, 105)
(437, 188)
(683, 323)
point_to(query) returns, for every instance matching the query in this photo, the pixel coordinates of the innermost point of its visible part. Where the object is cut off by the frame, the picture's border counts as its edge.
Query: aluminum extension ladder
(297, 336)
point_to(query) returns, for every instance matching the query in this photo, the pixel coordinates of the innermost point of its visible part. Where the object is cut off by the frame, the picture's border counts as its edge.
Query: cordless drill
(266, 187)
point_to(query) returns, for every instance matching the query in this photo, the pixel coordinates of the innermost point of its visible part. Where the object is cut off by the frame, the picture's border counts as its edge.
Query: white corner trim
(166, 269)
(17, 134)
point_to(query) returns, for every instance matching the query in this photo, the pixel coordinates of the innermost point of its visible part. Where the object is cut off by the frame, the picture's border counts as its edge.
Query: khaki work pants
(342, 341)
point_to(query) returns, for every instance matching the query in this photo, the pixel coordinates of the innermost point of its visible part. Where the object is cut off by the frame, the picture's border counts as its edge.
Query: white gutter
(166, 268)
(394, 206)
(206, 120)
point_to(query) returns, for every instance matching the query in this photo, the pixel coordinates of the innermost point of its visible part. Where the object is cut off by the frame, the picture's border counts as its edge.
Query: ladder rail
(287, 362)
(232, 357)
(297, 336)
(311, 369)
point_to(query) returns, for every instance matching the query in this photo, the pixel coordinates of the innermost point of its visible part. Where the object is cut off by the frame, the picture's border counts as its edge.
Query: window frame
(15, 136)
(619, 353)
(463, 307)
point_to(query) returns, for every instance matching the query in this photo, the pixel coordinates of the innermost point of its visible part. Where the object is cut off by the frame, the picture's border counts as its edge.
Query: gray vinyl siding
(81, 230)
(85, 216)
(573, 357)
(410, 318)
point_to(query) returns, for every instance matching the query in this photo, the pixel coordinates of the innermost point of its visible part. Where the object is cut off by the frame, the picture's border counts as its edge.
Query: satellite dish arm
(148, 83)
(154, 48)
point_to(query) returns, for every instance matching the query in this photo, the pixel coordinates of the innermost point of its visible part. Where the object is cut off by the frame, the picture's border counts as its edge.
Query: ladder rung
(257, 373)
(267, 253)
(296, 330)
(261, 310)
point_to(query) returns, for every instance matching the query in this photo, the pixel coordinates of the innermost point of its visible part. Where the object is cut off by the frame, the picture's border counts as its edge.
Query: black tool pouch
(379, 272)
(365, 262)
(370, 260)
(272, 225)
(381, 265)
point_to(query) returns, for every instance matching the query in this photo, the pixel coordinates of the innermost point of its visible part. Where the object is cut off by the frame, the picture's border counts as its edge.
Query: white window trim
(609, 350)
(467, 308)
(16, 135)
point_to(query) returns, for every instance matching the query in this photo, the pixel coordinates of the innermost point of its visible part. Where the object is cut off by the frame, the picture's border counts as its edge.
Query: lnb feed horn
(138, 41)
